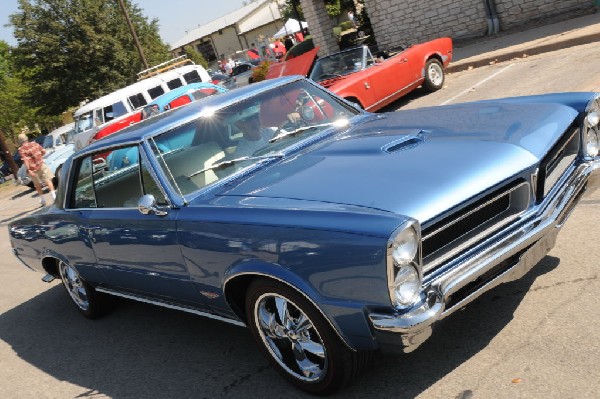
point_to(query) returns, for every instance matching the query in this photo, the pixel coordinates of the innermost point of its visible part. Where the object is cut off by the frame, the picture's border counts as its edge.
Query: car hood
(60, 152)
(417, 163)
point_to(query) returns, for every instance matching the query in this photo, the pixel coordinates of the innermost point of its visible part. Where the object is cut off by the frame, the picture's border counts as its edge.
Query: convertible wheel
(434, 75)
(297, 339)
(89, 302)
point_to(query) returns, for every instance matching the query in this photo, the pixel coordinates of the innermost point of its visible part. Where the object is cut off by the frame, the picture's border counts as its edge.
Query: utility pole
(135, 38)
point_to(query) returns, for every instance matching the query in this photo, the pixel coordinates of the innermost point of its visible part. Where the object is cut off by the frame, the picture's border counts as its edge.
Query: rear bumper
(505, 257)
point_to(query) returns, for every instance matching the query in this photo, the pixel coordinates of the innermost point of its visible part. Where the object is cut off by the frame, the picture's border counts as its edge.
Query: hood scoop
(411, 140)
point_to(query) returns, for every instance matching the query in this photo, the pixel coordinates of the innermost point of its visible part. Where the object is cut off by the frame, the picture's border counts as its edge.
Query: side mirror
(147, 206)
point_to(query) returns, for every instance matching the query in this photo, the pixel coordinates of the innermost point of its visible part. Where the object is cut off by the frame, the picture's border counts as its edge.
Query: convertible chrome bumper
(505, 257)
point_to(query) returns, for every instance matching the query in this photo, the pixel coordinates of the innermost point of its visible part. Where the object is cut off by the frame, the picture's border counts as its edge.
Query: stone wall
(411, 21)
(518, 12)
(401, 22)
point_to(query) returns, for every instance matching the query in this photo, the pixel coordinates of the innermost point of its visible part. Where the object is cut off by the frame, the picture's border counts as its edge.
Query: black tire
(90, 303)
(434, 75)
(329, 364)
(56, 176)
(355, 101)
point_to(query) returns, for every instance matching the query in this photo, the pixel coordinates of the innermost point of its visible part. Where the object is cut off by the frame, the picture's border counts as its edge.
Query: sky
(175, 17)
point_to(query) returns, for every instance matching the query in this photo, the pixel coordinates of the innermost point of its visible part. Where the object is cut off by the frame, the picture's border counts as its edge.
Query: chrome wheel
(291, 337)
(435, 74)
(75, 286)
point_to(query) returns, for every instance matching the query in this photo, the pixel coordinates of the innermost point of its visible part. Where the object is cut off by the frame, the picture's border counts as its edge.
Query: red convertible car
(373, 80)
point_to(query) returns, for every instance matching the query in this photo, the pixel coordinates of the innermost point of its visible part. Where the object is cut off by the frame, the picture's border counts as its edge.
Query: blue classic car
(329, 231)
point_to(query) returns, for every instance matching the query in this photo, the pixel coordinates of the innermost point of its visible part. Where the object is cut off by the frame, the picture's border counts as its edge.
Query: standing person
(229, 66)
(32, 155)
(351, 18)
(288, 43)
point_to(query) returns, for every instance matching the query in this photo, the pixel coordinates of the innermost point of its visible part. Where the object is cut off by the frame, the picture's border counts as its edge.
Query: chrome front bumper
(515, 249)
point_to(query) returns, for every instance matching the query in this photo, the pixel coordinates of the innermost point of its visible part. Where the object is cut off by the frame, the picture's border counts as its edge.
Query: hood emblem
(409, 141)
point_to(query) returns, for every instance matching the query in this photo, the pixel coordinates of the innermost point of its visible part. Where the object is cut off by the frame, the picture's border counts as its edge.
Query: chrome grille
(557, 161)
(458, 231)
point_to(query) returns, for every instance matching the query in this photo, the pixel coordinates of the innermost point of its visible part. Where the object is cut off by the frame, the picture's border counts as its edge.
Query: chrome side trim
(296, 289)
(392, 95)
(169, 306)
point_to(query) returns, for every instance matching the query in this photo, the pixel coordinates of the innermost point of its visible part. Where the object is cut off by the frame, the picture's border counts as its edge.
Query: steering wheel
(289, 125)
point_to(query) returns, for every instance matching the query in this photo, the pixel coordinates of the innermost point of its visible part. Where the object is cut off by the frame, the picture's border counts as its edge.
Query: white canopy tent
(291, 26)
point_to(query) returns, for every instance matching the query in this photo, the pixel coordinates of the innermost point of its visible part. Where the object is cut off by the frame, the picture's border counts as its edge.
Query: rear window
(155, 92)
(192, 77)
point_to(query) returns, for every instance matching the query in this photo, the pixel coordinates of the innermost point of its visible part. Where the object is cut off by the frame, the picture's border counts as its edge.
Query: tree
(287, 10)
(72, 50)
(195, 56)
(15, 114)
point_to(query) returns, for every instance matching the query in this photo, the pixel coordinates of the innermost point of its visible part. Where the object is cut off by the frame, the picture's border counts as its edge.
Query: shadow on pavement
(142, 351)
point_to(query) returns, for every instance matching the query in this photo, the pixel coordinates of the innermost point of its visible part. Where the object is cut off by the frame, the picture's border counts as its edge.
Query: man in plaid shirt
(32, 155)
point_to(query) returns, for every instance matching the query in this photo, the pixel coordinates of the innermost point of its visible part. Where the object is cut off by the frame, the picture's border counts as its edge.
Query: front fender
(347, 318)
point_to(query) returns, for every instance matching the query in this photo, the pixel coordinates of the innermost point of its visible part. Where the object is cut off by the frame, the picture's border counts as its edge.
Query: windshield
(248, 132)
(337, 65)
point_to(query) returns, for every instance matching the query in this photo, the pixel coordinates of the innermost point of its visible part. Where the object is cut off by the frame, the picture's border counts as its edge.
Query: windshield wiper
(230, 162)
(301, 129)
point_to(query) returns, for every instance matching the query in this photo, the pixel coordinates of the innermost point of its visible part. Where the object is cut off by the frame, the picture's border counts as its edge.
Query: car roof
(170, 95)
(180, 115)
(135, 88)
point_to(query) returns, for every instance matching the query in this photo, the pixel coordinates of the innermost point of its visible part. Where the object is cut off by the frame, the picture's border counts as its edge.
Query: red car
(373, 80)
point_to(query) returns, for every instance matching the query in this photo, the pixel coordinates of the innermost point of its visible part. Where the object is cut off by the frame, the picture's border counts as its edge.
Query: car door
(136, 252)
(390, 78)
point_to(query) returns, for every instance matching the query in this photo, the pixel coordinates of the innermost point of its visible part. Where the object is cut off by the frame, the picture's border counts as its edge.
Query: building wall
(262, 33)
(226, 41)
(400, 22)
(517, 12)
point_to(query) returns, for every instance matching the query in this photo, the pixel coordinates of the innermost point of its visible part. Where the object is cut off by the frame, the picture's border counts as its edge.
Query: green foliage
(335, 8)
(260, 72)
(15, 114)
(195, 56)
(346, 25)
(287, 10)
(71, 50)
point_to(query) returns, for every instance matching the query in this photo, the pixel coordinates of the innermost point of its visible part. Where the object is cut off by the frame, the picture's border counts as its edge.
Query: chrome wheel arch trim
(270, 276)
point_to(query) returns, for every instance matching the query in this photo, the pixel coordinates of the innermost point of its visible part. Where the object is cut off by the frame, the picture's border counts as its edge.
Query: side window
(117, 178)
(192, 77)
(156, 91)
(114, 179)
(108, 113)
(83, 195)
(118, 109)
(150, 186)
(175, 83)
(137, 100)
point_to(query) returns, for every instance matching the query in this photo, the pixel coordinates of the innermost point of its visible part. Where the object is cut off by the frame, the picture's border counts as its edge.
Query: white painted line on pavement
(478, 84)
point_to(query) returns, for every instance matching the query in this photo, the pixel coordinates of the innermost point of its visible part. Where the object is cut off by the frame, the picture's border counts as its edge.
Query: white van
(93, 115)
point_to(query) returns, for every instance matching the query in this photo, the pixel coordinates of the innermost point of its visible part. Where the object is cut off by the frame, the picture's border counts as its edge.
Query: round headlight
(405, 246)
(592, 119)
(591, 144)
(406, 286)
